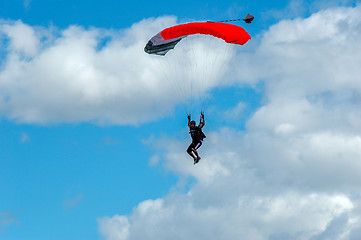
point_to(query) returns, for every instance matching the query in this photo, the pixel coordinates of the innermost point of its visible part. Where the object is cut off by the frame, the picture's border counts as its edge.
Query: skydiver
(197, 137)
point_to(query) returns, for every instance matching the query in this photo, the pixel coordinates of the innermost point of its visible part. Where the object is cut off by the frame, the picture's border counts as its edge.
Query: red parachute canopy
(228, 32)
(166, 40)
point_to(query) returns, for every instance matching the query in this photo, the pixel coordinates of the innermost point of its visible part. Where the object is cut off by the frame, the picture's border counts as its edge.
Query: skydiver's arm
(202, 122)
(189, 120)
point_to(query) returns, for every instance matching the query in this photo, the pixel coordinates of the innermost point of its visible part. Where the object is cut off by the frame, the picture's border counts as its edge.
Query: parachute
(167, 39)
(200, 62)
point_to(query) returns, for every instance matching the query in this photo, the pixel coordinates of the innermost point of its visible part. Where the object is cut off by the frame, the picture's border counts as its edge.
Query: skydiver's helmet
(193, 123)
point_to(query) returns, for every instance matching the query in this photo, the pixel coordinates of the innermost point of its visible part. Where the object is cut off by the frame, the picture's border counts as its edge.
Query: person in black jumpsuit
(197, 137)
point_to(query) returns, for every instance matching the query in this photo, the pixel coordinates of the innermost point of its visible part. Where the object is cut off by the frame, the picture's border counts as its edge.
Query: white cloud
(236, 112)
(251, 217)
(295, 172)
(98, 75)
(115, 228)
(24, 41)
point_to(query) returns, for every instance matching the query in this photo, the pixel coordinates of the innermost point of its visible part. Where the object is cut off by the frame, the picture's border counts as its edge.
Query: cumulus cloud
(98, 75)
(294, 173)
(115, 228)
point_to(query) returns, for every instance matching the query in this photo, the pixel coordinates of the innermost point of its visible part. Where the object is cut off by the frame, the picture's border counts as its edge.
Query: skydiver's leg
(192, 155)
(195, 151)
(198, 145)
(196, 160)
(190, 151)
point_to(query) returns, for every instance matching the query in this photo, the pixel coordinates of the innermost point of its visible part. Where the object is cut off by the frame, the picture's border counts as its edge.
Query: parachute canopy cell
(168, 38)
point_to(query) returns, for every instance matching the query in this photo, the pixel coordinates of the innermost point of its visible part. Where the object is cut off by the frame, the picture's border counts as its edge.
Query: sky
(93, 131)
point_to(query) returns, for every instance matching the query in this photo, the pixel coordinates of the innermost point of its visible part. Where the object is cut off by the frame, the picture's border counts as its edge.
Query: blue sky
(115, 14)
(93, 132)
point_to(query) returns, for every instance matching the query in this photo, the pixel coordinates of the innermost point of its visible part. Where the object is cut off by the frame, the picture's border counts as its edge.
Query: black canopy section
(160, 49)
